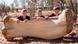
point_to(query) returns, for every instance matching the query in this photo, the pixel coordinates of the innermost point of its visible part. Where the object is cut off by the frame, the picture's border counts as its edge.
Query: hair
(57, 8)
(24, 10)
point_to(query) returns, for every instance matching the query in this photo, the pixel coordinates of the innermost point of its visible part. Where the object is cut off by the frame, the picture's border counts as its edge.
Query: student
(55, 12)
(24, 16)
(39, 14)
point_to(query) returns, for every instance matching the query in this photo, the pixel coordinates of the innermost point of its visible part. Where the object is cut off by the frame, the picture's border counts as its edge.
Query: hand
(18, 21)
(25, 20)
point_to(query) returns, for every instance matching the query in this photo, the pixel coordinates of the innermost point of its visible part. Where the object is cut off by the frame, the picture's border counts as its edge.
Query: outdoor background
(14, 7)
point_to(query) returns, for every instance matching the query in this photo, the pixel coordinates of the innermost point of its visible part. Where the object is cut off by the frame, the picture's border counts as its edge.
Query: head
(39, 10)
(56, 9)
(24, 12)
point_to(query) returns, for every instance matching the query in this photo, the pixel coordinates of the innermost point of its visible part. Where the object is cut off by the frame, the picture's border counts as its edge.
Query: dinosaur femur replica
(45, 29)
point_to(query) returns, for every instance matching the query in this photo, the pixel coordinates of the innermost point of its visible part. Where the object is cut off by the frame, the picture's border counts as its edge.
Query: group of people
(38, 14)
(25, 17)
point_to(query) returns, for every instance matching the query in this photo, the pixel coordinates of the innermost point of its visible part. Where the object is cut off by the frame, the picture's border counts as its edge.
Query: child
(24, 16)
(39, 14)
(55, 12)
